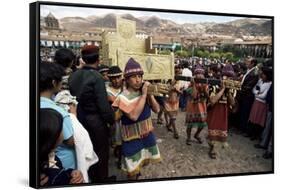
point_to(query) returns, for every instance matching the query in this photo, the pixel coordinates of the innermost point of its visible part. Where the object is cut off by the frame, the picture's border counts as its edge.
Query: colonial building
(51, 23)
(74, 39)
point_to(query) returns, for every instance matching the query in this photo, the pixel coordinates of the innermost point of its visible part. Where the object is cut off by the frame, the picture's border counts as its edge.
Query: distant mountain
(223, 29)
(246, 21)
(75, 23)
(91, 18)
(108, 21)
(139, 22)
(266, 28)
(153, 22)
(198, 28)
(155, 25)
(74, 20)
(253, 26)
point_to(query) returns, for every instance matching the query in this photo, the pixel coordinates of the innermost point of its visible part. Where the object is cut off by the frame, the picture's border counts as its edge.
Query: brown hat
(90, 54)
(89, 50)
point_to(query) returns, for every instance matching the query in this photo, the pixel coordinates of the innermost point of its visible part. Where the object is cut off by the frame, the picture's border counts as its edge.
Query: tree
(206, 54)
(183, 53)
(202, 53)
(199, 53)
(215, 55)
(165, 52)
(228, 55)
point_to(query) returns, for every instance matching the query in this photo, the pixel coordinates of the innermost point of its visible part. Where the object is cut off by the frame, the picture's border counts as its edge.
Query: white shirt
(187, 73)
(248, 71)
(85, 153)
(260, 95)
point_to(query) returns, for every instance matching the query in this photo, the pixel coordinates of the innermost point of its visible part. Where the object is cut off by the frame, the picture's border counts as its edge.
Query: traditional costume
(171, 103)
(218, 115)
(112, 94)
(171, 106)
(196, 110)
(139, 143)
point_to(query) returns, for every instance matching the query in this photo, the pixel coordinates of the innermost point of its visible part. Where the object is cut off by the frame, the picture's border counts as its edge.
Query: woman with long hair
(50, 136)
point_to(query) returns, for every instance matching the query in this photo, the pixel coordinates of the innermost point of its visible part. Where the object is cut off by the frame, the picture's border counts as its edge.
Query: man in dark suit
(93, 110)
(245, 97)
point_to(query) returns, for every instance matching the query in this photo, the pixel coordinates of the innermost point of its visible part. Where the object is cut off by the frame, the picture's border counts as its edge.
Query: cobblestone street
(179, 159)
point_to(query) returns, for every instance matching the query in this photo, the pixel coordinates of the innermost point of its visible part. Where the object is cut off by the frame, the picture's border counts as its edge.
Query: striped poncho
(139, 143)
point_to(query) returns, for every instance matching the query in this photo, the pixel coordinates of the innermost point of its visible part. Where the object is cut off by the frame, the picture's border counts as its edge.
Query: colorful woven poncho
(139, 143)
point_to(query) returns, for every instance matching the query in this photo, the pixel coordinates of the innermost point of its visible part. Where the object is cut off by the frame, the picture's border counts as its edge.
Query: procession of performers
(103, 107)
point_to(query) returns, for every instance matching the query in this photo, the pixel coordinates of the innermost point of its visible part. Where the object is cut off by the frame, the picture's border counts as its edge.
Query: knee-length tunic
(196, 110)
(139, 143)
(218, 120)
(112, 94)
(171, 103)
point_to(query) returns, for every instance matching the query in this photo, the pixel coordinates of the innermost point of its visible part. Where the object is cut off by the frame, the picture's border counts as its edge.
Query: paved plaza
(179, 159)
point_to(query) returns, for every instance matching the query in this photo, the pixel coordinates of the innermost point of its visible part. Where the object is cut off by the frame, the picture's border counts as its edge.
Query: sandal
(188, 142)
(198, 139)
(169, 128)
(213, 155)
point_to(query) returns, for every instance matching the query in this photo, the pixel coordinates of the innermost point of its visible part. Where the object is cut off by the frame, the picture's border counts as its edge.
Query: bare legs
(196, 135)
(168, 123)
(212, 151)
(173, 124)
(159, 117)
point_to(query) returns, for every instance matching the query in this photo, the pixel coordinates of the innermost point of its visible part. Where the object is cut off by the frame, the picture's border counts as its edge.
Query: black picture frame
(34, 177)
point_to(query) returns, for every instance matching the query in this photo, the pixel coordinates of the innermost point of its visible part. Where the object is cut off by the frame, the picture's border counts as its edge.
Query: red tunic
(218, 122)
(171, 104)
(196, 109)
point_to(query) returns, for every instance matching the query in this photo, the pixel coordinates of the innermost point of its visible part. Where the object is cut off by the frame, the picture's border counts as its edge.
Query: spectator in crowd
(52, 173)
(245, 97)
(266, 139)
(50, 83)
(212, 71)
(65, 57)
(85, 154)
(267, 135)
(184, 97)
(78, 63)
(258, 112)
(93, 110)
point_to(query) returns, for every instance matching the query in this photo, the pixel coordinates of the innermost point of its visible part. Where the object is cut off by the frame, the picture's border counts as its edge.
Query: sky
(64, 11)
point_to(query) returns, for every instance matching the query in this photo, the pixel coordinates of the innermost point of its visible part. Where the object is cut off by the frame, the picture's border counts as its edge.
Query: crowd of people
(216, 107)
(86, 108)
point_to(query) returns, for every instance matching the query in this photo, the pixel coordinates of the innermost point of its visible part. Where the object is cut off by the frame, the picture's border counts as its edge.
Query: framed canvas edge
(34, 46)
